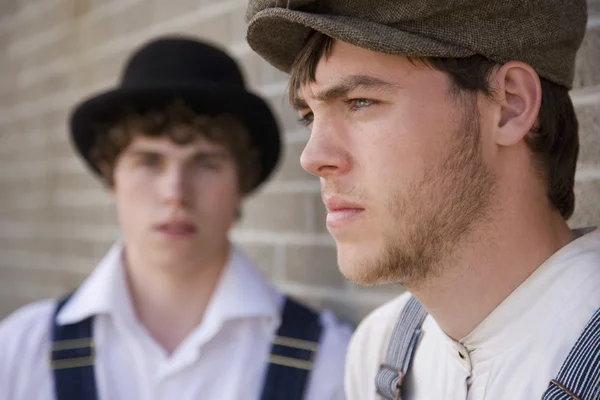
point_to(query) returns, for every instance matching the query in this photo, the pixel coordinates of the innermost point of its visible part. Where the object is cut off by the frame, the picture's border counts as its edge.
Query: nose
(326, 154)
(174, 186)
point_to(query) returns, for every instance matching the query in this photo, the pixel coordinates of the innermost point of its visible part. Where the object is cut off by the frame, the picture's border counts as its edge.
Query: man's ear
(518, 91)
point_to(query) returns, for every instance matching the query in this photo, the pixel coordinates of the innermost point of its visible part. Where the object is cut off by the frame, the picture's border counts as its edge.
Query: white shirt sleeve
(24, 346)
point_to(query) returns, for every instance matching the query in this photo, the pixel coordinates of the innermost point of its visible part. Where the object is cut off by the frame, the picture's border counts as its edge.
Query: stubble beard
(434, 214)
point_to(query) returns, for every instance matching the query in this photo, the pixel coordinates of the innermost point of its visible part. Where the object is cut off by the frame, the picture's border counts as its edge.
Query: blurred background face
(400, 163)
(176, 203)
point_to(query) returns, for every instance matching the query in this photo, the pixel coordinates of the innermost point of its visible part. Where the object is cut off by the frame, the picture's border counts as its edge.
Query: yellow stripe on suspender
(75, 362)
(296, 344)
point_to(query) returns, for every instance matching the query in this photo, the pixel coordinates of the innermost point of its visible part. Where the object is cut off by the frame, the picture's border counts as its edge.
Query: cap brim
(252, 110)
(279, 34)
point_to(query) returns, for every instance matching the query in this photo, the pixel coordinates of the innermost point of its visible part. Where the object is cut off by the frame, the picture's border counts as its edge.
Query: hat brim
(252, 110)
(279, 34)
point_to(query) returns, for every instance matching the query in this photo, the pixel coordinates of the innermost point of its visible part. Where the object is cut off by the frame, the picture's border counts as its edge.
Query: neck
(490, 264)
(170, 302)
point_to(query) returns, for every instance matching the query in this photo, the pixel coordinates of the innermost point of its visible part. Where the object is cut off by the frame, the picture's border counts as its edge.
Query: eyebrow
(200, 154)
(345, 86)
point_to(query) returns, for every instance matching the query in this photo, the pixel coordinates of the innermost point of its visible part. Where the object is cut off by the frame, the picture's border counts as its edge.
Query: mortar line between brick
(586, 174)
(586, 96)
(249, 236)
(28, 45)
(593, 22)
(280, 251)
(333, 293)
(109, 48)
(10, 21)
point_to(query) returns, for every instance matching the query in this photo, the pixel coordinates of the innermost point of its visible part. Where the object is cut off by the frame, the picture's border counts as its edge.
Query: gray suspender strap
(403, 343)
(579, 376)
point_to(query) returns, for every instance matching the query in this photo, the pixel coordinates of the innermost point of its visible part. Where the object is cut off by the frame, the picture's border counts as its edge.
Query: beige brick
(380, 293)
(38, 283)
(272, 74)
(8, 7)
(52, 85)
(137, 17)
(312, 265)
(594, 8)
(238, 25)
(86, 216)
(290, 168)
(354, 309)
(251, 65)
(587, 209)
(80, 248)
(262, 256)
(49, 276)
(587, 72)
(63, 11)
(589, 133)
(34, 290)
(165, 10)
(74, 181)
(320, 215)
(217, 30)
(106, 70)
(12, 302)
(287, 116)
(93, 33)
(7, 96)
(279, 212)
(62, 47)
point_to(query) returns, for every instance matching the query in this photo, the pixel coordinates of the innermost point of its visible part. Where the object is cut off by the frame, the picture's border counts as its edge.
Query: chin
(359, 266)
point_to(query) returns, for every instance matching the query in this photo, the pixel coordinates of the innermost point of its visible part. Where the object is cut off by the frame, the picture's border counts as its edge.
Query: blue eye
(358, 104)
(306, 119)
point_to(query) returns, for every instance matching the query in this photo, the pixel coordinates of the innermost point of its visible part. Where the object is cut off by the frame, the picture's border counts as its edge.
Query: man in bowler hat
(446, 144)
(174, 310)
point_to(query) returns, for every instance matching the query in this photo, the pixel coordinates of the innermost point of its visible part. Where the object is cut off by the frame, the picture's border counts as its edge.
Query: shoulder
(28, 320)
(24, 347)
(378, 325)
(368, 347)
(336, 333)
(26, 330)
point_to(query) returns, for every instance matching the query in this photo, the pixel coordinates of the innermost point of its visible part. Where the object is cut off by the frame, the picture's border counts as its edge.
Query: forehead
(166, 146)
(346, 59)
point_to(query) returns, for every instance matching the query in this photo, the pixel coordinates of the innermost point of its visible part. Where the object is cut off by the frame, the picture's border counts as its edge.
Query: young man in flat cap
(446, 144)
(174, 311)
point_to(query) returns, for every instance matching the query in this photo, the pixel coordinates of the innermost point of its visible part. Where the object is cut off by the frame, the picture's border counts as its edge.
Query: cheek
(132, 195)
(218, 195)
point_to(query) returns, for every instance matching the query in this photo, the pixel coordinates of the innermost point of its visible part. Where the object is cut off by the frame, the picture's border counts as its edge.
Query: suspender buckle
(399, 380)
(73, 347)
(297, 344)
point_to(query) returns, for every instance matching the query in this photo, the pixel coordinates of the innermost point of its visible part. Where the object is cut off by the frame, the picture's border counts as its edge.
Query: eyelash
(307, 118)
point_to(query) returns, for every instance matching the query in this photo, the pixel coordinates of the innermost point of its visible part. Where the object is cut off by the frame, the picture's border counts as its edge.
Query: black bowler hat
(205, 77)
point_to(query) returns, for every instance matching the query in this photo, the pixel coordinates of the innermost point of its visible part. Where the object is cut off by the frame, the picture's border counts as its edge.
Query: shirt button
(461, 355)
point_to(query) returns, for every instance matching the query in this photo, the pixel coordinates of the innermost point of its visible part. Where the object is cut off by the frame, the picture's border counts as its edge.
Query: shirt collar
(241, 292)
(537, 300)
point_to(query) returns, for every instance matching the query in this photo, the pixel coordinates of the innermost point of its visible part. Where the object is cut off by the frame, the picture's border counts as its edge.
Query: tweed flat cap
(545, 34)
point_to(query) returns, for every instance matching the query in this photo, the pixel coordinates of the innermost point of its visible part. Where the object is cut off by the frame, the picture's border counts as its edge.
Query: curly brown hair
(223, 129)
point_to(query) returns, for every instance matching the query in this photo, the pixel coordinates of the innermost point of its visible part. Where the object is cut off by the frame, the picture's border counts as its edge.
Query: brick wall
(55, 219)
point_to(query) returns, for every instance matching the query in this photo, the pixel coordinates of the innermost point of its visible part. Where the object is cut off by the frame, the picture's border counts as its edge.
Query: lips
(341, 211)
(334, 204)
(176, 228)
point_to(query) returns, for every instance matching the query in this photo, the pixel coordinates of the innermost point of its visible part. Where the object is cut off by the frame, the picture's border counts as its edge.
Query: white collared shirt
(224, 358)
(512, 355)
